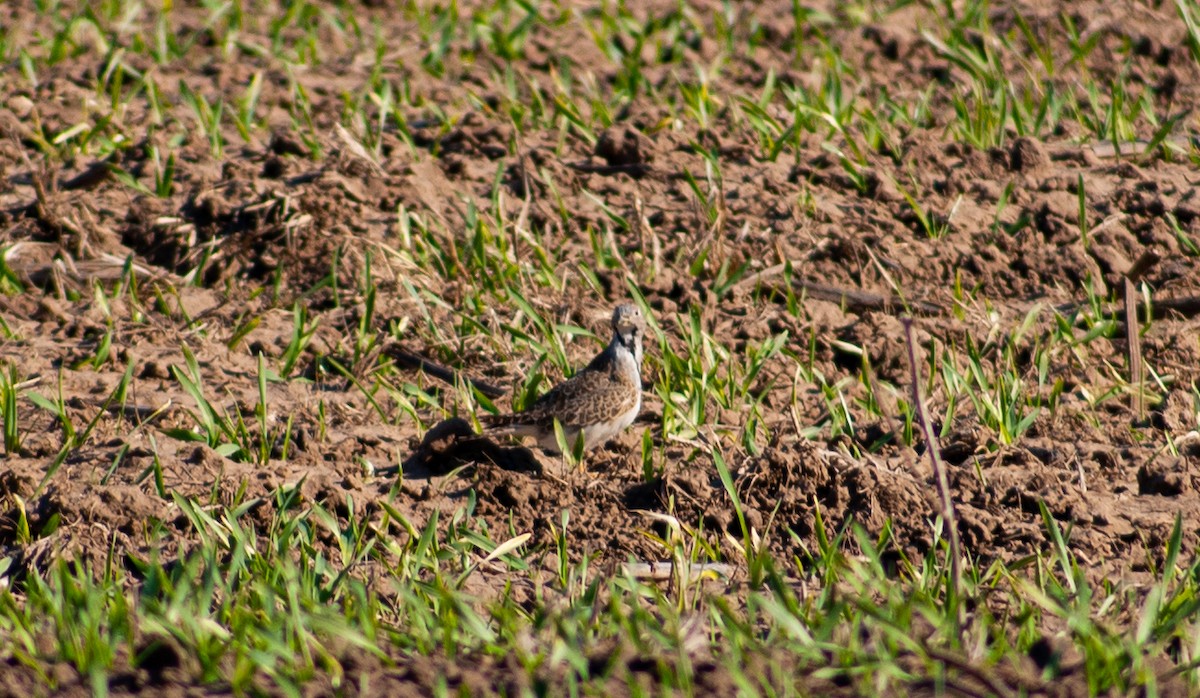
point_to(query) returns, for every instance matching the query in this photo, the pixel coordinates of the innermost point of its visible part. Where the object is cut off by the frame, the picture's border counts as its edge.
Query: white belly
(598, 434)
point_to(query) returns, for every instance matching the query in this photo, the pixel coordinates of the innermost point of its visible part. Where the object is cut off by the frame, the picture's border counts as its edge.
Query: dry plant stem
(661, 571)
(410, 360)
(854, 299)
(1133, 339)
(1143, 264)
(939, 470)
(997, 685)
(1187, 306)
(858, 300)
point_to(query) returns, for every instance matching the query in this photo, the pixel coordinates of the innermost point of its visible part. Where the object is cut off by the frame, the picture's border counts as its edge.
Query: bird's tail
(498, 424)
(510, 425)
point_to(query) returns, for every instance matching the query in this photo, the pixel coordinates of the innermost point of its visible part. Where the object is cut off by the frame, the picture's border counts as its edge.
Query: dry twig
(939, 470)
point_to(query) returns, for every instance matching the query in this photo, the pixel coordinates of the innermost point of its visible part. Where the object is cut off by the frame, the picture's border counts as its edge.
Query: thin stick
(1187, 306)
(854, 299)
(939, 469)
(1134, 340)
(858, 300)
(410, 360)
(661, 571)
(980, 674)
(1143, 264)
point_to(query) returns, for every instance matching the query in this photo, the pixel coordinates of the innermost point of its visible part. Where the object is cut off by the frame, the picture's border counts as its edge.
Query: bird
(599, 401)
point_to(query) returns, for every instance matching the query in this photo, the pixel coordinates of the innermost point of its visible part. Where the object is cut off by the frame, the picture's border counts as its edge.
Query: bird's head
(629, 326)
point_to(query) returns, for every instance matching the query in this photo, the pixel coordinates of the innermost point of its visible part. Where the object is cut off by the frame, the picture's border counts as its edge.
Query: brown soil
(266, 213)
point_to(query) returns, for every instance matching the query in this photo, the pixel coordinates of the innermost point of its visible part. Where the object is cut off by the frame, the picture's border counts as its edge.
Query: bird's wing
(588, 397)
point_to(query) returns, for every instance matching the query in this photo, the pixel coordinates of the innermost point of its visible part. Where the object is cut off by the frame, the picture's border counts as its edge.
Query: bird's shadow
(452, 445)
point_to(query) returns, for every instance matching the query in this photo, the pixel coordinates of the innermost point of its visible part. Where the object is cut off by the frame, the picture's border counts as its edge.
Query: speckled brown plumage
(601, 400)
